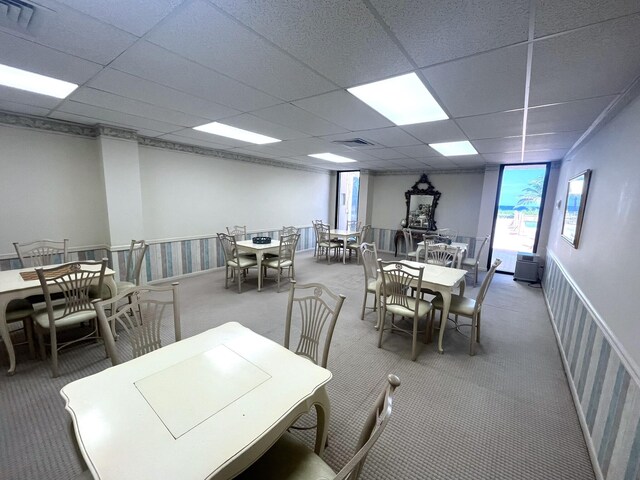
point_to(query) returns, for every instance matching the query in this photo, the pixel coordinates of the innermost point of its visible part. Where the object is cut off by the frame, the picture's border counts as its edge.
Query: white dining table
(13, 286)
(344, 235)
(205, 407)
(464, 247)
(259, 250)
(436, 278)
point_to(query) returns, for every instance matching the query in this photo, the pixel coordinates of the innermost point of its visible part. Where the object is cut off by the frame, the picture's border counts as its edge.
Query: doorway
(347, 202)
(518, 212)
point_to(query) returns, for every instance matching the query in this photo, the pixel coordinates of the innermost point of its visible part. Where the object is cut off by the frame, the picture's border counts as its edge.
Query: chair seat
(330, 244)
(244, 262)
(42, 318)
(423, 308)
(288, 459)
(469, 262)
(273, 262)
(372, 286)
(17, 310)
(122, 286)
(459, 305)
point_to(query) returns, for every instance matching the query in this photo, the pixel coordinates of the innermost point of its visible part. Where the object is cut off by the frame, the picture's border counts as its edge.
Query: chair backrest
(138, 320)
(137, 251)
(374, 426)
(408, 239)
(318, 310)
(369, 255)
(485, 284)
(441, 254)
(229, 248)
(479, 252)
(287, 249)
(398, 279)
(238, 231)
(289, 230)
(354, 225)
(42, 252)
(323, 232)
(449, 233)
(364, 233)
(75, 281)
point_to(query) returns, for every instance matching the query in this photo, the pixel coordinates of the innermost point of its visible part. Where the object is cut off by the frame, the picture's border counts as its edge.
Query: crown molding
(116, 132)
(428, 172)
(47, 124)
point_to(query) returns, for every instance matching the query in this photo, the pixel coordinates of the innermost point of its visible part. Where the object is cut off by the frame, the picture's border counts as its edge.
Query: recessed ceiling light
(330, 157)
(33, 82)
(451, 149)
(403, 100)
(237, 133)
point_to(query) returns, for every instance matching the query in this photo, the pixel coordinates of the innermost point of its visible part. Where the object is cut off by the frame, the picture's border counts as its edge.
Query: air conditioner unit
(528, 267)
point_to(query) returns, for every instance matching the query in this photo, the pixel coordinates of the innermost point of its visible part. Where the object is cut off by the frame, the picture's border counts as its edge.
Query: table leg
(259, 259)
(446, 303)
(6, 338)
(323, 412)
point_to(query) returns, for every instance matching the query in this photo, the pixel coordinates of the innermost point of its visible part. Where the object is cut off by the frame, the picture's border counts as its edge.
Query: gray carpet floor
(506, 413)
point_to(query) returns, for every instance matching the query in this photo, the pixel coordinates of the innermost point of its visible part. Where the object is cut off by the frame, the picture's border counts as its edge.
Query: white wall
(458, 208)
(606, 265)
(50, 187)
(187, 195)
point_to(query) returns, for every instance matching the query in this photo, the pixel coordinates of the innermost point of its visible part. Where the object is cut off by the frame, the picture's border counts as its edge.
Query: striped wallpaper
(384, 239)
(607, 394)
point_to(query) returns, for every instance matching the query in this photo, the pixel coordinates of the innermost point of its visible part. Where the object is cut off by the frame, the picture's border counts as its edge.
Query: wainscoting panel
(606, 392)
(384, 239)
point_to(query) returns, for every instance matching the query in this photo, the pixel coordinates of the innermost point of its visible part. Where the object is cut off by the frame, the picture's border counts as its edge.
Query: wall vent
(354, 142)
(16, 14)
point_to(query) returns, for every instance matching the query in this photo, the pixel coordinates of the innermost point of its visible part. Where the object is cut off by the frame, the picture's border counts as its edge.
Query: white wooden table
(462, 246)
(344, 235)
(205, 407)
(13, 286)
(259, 249)
(438, 279)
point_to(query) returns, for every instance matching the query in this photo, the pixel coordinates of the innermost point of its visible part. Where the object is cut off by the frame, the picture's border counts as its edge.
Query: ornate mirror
(422, 200)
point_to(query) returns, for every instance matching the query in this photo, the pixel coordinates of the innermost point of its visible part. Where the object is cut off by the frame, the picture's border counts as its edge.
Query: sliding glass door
(347, 201)
(518, 212)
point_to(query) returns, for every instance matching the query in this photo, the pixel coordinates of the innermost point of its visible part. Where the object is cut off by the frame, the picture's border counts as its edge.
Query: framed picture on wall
(574, 205)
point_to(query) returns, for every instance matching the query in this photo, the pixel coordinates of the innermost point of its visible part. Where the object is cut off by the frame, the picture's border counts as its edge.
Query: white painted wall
(50, 187)
(187, 195)
(458, 208)
(606, 265)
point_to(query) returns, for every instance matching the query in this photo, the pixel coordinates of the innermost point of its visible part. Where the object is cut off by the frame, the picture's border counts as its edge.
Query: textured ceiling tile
(27, 98)
(565, 117)
(385, 153)
(553, 16)
(175, 137)
(205, 35)
(23, 108)
(345, 110)
(553, 140)
(599, 60)
(495, 125)
(389, 137)
(435, 132)
(418, 151)
(264, 127)
(434, 31)
(294, 117)
(497, 145)
(486, 83)
(341, 40)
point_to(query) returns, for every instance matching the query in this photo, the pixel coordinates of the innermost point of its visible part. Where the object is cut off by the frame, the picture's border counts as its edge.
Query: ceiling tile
(554, 17)
(545, 155)
(386, 137)
(69, 31)
(205, 35)
(566, 117)
(209, 137)
(272, 150)
(435, 132)
(497, 145)
(99, 98)
(294, 117)
(28, 98)
(166, 68)
(27, 55)
(494, 125)
(306, 146)
(435, 31)
(175, 137)
(486, 83)
(126, 85)
(552, 140)
(22, 108)
(255, 124)
(134, 17)
(418, 151)
(112, 117)
(599, 60)
(341, 40)
(385, 153)
(345, 110)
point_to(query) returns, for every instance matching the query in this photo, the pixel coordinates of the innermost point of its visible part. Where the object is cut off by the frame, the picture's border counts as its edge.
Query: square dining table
(463, 247)
(344, 235)
(205, 407)
(436, 278)
(259, 250)
(13, 286)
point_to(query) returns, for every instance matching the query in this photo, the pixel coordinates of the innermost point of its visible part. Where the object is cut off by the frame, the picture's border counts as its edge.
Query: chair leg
(475, 278)
(43, 352)
(239, 279)
(478, 327)
(414, 343)
(383, 317)
(364, 303)
(28, 332)
(226, 276)
(54, 353)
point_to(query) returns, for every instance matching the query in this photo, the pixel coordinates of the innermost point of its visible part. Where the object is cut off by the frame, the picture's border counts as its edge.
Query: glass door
(347, 201)
(518, 212)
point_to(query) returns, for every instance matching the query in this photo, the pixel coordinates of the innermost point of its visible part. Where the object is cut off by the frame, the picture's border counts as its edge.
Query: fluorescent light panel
(33, 82)
(223, 130)
(404, 100)
(330, 157)
(452, 149)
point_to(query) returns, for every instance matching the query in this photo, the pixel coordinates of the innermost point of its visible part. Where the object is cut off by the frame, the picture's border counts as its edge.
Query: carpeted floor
(504, 414)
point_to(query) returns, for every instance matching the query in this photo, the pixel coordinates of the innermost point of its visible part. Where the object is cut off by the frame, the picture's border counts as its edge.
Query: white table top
(12, 281)
(188, 409)
(345, 233)
(460, 245)
(258, 246)
(437, 274)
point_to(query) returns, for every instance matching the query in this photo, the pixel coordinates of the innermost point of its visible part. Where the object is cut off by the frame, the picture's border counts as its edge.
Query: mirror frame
(577, 189)
(416, 190)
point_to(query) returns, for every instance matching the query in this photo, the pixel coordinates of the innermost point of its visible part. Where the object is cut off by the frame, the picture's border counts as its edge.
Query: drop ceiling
(500, 69)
